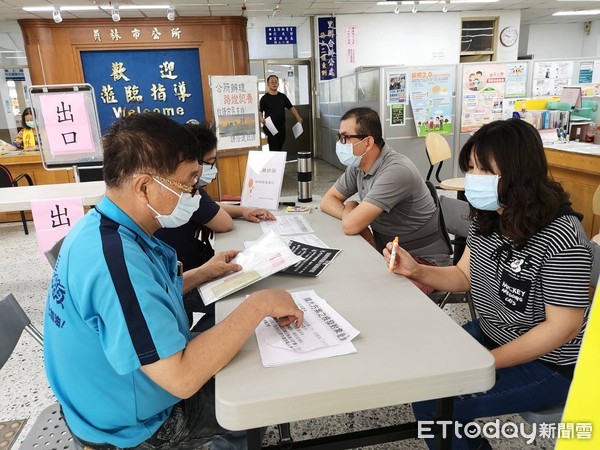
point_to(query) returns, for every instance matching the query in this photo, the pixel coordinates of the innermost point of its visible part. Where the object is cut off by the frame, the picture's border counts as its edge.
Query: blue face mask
(208, 174)
(346, 155)
(482, 191)
(30, 123)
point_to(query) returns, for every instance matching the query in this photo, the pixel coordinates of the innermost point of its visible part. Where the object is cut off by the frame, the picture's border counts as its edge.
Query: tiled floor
(23, 384)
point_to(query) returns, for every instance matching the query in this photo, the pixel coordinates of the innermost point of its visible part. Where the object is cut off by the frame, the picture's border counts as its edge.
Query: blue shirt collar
(108, 208)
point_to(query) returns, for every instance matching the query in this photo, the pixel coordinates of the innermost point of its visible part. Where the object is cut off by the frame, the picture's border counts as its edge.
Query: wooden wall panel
(53, 53)
(232, 169)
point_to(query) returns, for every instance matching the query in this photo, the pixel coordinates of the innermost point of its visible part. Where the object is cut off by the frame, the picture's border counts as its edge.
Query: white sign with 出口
(263, 179)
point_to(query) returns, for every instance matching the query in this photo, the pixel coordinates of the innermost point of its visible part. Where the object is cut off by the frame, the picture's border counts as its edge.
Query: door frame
(311, 90)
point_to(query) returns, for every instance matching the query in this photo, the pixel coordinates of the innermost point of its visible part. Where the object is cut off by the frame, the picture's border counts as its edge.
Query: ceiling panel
(532, 11)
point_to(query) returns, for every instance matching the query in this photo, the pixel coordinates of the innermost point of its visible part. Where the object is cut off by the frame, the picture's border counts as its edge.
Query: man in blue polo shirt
(117, 349)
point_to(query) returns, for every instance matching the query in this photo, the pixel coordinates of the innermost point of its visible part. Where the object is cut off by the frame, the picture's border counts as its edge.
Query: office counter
(577, 167)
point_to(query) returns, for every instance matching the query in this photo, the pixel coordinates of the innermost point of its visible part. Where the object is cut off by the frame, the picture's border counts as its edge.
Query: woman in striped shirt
(527, 264)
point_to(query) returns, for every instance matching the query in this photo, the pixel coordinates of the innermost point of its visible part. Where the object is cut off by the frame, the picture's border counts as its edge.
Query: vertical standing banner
(263, 179)
(53, 219)
(235, 108)
(327, 48)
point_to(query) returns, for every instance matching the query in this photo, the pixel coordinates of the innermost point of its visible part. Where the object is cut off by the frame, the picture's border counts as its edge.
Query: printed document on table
(267, 255)
(286, 225)
(323, 334)
(297, 130)
(308, 239)
(271, 126)
(316, 259)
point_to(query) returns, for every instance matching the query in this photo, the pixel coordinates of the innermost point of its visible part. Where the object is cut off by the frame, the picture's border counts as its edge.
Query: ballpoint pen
(393, 255)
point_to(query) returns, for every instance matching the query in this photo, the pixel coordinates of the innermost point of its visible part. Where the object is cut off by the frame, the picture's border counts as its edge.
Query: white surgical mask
(346, 154)
(208, 174)
(482, 191)
(181, 214)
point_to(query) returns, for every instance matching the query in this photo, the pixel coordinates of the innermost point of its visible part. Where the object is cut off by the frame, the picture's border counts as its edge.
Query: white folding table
(408, 349)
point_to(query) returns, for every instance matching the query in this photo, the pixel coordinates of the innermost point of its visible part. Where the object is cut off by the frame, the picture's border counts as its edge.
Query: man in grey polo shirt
(394, 200)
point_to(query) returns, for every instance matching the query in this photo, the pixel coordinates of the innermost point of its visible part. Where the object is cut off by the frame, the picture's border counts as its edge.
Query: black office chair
(49, 430)
(90, 174)
(442, 229)
(7, 180)
(52, 254)
(456, 219)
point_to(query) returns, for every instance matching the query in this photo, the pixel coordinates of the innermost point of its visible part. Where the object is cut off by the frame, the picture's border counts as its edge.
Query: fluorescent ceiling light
(424, 2)
(38, 8)
(124, 7)
(79, 8)
(473, 1)
(587, 12)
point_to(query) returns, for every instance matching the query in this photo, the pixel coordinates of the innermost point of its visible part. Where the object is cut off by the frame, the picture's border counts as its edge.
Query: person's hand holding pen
(401, 263)
(392, 261)
(257, 215)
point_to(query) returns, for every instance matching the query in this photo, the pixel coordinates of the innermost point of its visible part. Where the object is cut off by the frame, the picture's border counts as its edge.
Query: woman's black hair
(529, 197)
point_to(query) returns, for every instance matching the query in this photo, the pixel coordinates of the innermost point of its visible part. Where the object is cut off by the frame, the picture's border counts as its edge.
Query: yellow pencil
(393, 255)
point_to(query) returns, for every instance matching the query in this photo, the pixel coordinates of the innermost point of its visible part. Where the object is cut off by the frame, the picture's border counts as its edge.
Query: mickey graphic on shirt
(514, 289)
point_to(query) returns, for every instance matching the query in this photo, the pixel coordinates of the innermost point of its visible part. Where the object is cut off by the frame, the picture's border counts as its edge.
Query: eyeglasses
(184, 187)
(211, 164)
(344, 137)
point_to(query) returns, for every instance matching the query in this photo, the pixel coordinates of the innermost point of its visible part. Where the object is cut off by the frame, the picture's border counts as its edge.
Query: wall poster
(550, 77)
(235, 109)
(430, 93)
(396, 92)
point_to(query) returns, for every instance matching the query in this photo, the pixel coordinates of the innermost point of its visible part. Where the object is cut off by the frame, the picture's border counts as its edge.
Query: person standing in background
(273, 104)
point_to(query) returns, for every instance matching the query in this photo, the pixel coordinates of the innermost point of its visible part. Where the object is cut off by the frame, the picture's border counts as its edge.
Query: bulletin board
(67, 123)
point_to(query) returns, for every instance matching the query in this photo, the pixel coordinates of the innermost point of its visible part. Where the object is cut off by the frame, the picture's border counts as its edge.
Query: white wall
(544, 42)
(412, 39)
(591, 42)
(398, 39)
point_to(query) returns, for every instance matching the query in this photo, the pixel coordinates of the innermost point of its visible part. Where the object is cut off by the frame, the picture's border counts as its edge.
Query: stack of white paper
(287, 225)
(267, 255)
(323, 334)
